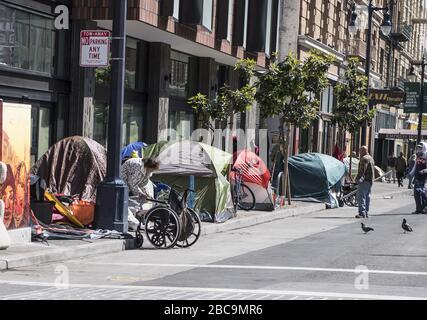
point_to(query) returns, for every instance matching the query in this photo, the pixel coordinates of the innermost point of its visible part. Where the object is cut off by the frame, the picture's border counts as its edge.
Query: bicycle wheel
(162, 227)
(245, 198)
(195, 233)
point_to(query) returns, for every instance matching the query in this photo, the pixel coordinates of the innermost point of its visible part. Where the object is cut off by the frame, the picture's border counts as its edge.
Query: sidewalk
(22, 255)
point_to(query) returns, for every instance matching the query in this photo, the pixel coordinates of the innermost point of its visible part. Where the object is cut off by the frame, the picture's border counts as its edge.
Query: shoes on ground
(360, 216)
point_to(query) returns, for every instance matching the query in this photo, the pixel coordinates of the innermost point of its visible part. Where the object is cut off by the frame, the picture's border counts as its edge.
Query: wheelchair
(170, 223)
(348, 195)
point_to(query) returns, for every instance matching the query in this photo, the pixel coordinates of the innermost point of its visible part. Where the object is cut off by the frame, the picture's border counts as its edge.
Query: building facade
(323, 25)
(174, 49)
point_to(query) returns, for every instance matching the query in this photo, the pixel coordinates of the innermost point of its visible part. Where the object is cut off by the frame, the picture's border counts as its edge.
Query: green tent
(313, 175)
(179, 160)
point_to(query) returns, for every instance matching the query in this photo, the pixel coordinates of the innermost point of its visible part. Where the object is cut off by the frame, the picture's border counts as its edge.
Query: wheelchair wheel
(162, 227)
(195, 233)
(139, 240)
(246, 198)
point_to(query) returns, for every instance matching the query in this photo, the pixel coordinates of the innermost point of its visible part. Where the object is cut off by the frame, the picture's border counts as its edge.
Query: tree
(350, 113)
(291, 89)
(228, 102)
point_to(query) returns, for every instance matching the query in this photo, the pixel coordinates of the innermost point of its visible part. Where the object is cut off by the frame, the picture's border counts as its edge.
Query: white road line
(227, 266)
(222, 290)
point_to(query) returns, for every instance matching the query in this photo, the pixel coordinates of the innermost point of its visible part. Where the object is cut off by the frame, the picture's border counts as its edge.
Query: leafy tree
(350, 113)
(291, 89)
(228, 102)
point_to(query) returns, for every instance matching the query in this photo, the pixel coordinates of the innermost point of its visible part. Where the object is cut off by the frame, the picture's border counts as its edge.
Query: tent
(313, 175)
(180, 160)
(73, 166)
(256, 176)
(136, 146)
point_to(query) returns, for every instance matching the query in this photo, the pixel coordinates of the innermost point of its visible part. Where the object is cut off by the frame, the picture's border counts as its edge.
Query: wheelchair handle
(156, 201)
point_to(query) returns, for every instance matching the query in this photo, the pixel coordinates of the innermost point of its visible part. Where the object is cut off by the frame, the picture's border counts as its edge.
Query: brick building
(323, 24)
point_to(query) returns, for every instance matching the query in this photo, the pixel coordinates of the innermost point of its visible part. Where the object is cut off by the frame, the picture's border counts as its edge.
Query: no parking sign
(94, 48)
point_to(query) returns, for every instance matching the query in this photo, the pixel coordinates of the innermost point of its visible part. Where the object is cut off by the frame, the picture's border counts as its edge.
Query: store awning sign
(389, 97)
(94, 48)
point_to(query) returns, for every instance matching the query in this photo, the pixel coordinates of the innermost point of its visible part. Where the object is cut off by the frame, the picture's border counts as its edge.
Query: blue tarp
(313, 175)
(136, 146)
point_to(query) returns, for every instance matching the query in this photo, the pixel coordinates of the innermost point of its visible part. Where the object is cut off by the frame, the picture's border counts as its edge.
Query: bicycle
(170, 223)
(243, 196)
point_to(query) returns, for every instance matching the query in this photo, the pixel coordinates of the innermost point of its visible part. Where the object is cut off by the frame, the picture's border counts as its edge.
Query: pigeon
(406, 226)
(366, 229)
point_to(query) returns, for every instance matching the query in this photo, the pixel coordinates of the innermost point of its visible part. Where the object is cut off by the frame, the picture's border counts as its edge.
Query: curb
(245, 222)
(60, 254)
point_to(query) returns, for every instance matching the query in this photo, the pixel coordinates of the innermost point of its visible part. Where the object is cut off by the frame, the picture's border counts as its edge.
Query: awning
(401, 134)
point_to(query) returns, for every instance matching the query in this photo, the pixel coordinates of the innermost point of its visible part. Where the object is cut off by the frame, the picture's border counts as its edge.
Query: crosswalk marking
(257, 267)
(249, 292)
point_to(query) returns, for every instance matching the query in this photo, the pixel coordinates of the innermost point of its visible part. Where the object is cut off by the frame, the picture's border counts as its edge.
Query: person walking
(364, 180)
(401, 165)
(391, 166)
(419, 171)
(411, 165)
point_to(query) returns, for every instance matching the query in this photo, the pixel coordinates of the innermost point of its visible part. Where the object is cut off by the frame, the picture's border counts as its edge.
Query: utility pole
(112, 193)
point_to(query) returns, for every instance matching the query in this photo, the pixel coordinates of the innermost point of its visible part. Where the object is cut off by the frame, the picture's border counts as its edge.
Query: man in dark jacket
(364, 179)
(391, 166)
(400, 169)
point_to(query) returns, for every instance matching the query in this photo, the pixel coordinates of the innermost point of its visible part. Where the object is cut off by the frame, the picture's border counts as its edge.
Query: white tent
(263, 197)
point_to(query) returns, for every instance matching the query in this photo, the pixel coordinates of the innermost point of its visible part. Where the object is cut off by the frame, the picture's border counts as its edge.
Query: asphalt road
(323, 255)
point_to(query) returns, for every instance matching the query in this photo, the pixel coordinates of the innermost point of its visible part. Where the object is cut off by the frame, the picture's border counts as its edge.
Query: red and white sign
(94, 48)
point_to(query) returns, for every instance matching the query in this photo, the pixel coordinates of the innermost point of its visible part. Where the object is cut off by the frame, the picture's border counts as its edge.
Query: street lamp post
(385, 28)
(421, 98)
(112, 193)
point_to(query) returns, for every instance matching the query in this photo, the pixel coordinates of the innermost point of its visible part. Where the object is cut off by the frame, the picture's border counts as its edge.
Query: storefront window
(179, 74)
(40, 131)
(44, 131)
(182, 124)
(131, 57)
(131, 127)
(27, 40)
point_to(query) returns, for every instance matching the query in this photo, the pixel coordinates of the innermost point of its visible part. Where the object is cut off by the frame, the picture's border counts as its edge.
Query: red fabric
(338, 153)
(253, 168)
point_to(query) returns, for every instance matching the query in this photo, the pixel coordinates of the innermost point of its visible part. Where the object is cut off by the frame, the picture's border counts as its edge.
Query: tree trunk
(351, 155)
(285, 167)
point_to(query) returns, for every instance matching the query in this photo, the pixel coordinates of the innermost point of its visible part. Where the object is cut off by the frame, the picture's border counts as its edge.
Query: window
(176, 9)
(245, 30)
(268, 27)
(27, 40)
(230, 19)
(182, 122)
(327, 100)
(179, 74)
(40, 131)
(131, 58)
(131, 126)
(207, 14)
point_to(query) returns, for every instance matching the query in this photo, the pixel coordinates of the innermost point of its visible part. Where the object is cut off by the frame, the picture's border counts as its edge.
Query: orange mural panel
(15, 150)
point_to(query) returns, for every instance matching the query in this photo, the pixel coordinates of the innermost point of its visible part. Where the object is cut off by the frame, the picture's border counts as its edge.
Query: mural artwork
(15, 144)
